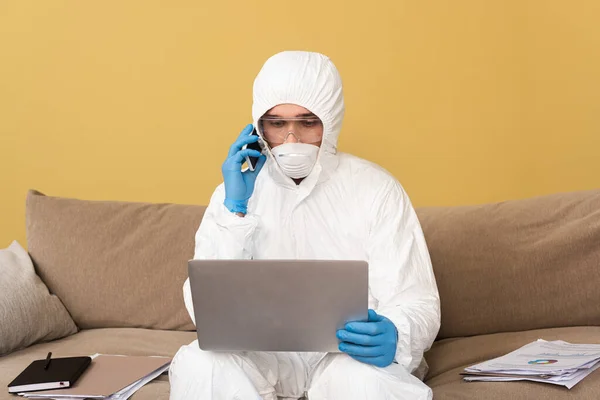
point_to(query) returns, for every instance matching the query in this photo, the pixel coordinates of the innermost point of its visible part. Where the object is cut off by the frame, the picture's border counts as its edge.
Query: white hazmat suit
(346, 208)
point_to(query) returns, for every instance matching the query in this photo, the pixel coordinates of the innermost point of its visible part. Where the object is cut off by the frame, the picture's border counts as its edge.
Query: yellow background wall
(464, 101)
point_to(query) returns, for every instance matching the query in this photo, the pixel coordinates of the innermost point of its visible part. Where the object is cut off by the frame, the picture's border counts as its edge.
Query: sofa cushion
(447, 358)
(28, 313)
(114, 264)
(127, 341)
(517, 265)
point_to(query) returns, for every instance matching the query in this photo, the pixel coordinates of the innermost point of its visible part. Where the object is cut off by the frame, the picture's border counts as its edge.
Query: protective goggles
(277, 130)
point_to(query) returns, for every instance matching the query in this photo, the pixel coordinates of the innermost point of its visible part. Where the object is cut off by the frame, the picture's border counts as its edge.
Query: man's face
(290, 123)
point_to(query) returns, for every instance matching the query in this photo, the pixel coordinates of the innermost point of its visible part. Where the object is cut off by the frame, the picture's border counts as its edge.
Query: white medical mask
(296, 159)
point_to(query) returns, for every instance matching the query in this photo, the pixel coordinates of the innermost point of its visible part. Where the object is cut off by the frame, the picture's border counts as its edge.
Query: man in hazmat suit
(311, 202)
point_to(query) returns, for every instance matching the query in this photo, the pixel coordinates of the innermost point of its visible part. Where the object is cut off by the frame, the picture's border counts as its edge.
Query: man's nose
(291, 138)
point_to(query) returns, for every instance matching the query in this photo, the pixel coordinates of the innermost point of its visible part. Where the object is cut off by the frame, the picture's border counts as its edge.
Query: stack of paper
(111, 377)
(556, 362)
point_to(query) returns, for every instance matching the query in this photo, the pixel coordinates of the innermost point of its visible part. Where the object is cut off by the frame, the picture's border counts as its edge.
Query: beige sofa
(508, 273)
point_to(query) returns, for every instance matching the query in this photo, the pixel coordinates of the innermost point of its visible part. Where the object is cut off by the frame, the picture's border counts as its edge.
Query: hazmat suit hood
(309, 80)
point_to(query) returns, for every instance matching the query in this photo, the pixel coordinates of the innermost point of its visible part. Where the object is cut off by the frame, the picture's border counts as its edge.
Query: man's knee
(195, 373)
(340, 376)
(336, 366)
(190, 360)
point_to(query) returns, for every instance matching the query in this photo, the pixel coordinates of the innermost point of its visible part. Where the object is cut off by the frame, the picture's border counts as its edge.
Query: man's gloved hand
(372, 342)
(240, 185)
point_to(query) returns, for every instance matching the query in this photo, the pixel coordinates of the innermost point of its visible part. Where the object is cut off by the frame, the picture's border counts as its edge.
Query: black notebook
(60, 374)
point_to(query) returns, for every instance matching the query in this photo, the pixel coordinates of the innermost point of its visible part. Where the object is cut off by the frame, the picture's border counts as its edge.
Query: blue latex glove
(372, 342)
(240, 185)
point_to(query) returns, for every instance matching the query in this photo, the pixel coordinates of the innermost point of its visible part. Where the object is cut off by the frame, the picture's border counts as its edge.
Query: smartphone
(252, 161)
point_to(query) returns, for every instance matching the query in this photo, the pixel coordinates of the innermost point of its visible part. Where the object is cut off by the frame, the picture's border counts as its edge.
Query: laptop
(276, 305)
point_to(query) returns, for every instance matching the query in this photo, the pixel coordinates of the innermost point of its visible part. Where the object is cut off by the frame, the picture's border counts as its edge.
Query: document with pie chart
(556, 362)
